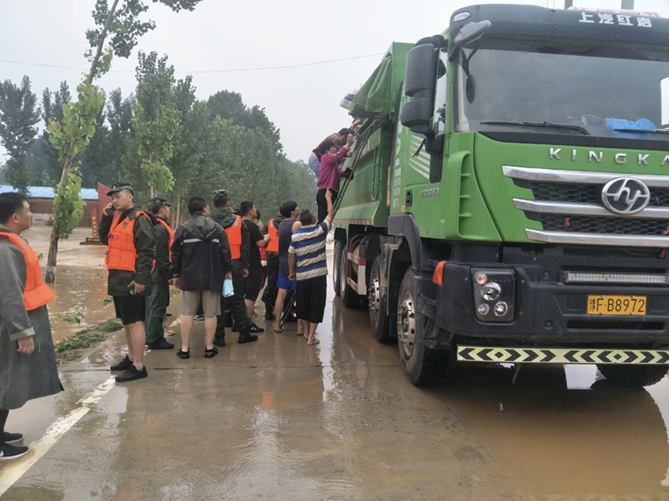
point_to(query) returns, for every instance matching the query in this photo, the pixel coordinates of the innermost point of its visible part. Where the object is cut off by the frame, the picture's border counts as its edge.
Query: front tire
(348, 296)
(633, 376)
(422, 366)
(378, 315)
(336, 265)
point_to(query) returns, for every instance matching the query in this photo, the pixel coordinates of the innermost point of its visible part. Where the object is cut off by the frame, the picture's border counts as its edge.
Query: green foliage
(155, 143)
(18, 116)
(75, 316)
(68, 205)
(123, 24)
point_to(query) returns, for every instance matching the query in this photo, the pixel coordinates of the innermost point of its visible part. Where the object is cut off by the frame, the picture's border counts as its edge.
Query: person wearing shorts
(200, 261)
(253, 282)
(128, 233)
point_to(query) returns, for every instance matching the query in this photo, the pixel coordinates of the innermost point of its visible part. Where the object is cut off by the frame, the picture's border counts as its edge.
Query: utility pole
(627, 4)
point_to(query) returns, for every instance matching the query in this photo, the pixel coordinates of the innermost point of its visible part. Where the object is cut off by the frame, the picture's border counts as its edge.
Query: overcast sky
(303, 102)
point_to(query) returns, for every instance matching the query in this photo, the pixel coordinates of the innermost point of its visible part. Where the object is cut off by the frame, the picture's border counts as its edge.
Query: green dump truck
(509, 196)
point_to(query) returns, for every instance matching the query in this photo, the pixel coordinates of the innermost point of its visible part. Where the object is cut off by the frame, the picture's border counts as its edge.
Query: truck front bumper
(547, 312)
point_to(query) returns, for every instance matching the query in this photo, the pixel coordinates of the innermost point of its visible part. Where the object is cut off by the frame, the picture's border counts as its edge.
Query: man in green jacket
(224, 216)
(159, 300)
(128, 233)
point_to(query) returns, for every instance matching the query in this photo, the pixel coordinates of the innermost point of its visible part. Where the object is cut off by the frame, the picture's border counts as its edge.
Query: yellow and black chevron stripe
(562, 356)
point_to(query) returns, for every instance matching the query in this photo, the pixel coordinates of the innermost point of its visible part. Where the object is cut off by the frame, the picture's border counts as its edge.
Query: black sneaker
(254, 328)
(198, 318)
(211, 353)
(131, 374)
(11, 438)
(123, 365)
(8, 452)
(160, 345)
(247, 338)
(183, 354)
(219, 341)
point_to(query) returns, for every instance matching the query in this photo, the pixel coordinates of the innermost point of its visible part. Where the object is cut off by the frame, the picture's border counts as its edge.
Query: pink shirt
(330, 173)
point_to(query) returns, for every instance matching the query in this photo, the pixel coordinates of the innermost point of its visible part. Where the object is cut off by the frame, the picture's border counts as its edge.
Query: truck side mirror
(419, 84)
(470, 32)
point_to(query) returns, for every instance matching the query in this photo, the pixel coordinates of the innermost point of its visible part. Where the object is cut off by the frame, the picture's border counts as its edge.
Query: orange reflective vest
(234, 233)
(121, 252)
(273, 245)
(170, 232)
(36, 293)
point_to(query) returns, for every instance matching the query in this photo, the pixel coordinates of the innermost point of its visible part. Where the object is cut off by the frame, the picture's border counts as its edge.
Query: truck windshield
(597, 89)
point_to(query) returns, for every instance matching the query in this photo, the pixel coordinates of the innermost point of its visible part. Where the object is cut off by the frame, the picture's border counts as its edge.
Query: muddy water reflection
(553, 439)
(82, 301)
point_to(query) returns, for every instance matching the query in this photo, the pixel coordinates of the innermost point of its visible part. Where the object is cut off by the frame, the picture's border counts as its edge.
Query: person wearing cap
(159, 300)
(240, 244)
(128, 233)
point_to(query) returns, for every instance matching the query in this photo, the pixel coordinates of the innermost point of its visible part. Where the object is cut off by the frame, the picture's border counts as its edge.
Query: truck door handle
(409, 199)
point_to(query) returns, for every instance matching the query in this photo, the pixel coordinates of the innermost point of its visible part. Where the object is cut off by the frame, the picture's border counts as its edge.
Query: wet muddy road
(280, 420)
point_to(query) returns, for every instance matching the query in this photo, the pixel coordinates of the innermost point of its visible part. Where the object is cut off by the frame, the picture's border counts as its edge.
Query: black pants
(271, 289)
(3, 421)
(235, 304)
(323, 204)
(156, 308)
(311, 298)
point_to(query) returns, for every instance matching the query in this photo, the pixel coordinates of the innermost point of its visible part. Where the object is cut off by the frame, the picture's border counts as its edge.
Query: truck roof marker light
(461, 16)
(438, 276)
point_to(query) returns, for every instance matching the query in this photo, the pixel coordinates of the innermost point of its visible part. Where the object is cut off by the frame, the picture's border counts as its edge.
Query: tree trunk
(50, 277)
(52, 260)
(177, 221)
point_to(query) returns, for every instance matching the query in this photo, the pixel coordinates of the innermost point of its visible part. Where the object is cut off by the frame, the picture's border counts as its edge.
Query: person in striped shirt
(307, 263)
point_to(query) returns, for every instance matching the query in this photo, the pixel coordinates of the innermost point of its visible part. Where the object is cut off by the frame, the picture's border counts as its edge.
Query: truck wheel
(378, 315)
(423, 366)
(336, 262)
(633, 376)
(348, 296)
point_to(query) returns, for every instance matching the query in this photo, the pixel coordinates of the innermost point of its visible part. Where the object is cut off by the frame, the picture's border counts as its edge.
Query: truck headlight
(494, 295)
(491, 291)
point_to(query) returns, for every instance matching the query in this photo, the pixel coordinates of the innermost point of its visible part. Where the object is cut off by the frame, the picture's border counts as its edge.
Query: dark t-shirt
(285, 233)
(255, 236)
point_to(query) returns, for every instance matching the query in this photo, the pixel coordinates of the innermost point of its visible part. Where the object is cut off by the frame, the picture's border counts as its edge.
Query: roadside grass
(69, 349)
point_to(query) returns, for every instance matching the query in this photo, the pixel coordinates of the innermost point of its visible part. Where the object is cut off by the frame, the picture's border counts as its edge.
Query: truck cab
(527, 204)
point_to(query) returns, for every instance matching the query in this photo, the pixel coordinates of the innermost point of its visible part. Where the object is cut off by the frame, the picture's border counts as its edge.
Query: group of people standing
(145, 256)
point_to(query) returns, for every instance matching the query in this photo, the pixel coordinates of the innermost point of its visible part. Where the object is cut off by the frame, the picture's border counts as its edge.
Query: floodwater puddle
(565, 432)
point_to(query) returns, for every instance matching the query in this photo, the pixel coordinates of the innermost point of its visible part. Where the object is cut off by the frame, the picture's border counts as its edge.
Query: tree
(43, 158)
(155, 146)
(18, 116)
(122, 26)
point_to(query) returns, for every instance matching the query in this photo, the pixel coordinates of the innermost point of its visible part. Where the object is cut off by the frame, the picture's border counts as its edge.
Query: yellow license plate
(616, 305)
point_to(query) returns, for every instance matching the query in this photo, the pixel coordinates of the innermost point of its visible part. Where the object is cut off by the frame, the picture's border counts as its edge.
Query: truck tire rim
(374, 298)
(406, 318)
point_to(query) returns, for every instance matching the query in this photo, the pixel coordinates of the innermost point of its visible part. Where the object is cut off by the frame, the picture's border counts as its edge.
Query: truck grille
(569, 206)
(586, 194)
(612, 226)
